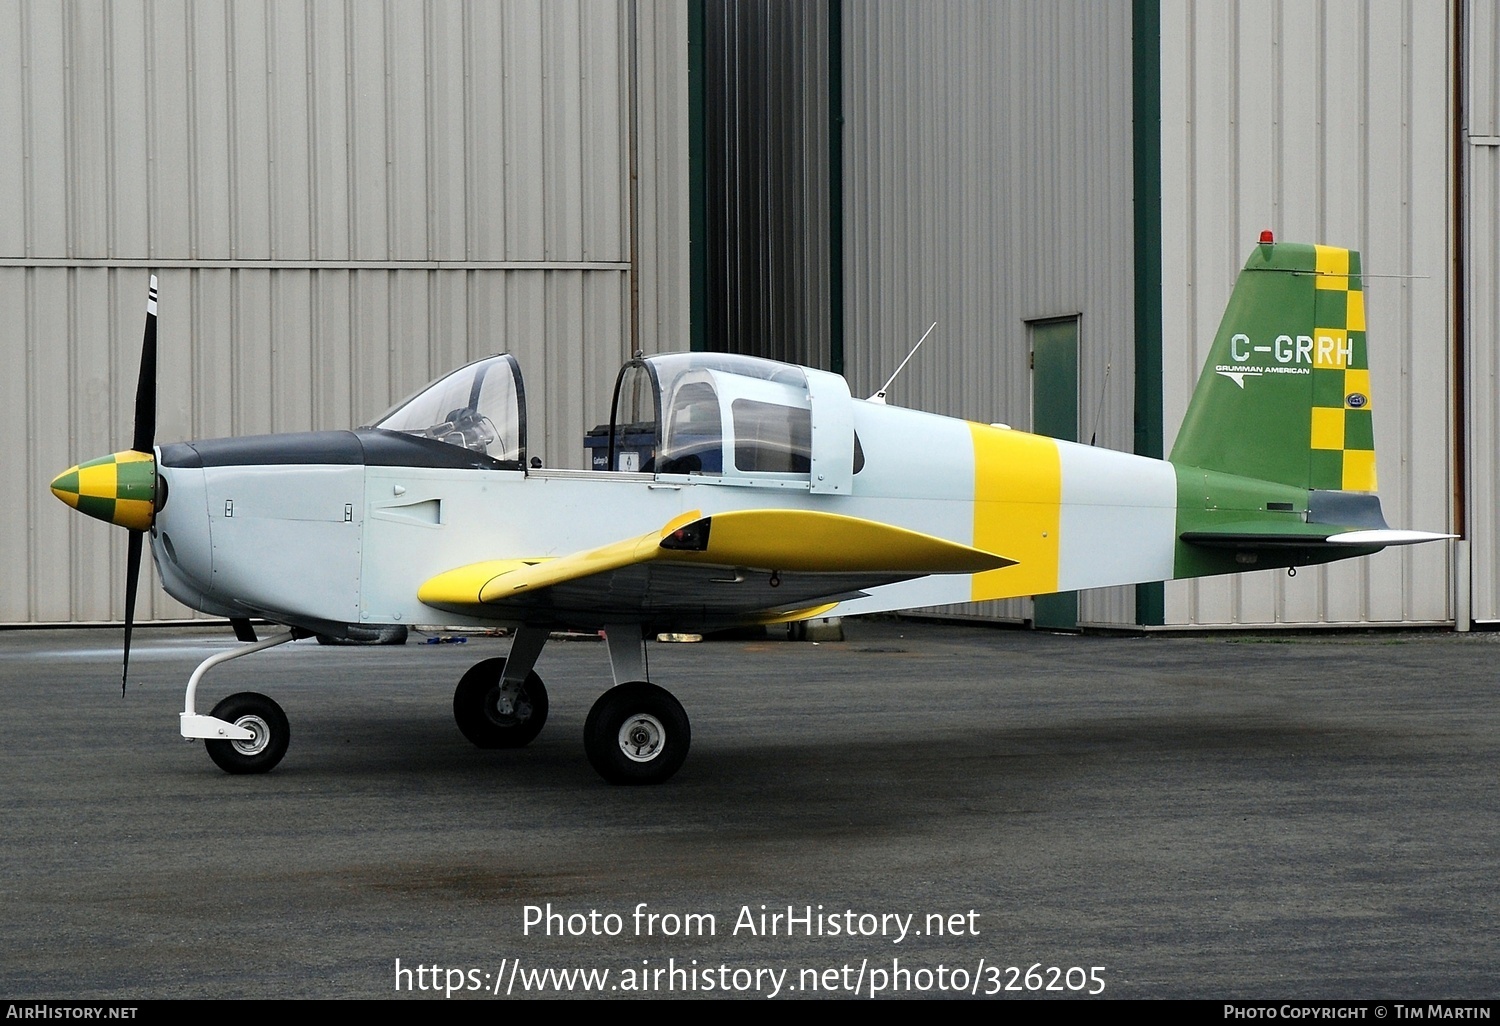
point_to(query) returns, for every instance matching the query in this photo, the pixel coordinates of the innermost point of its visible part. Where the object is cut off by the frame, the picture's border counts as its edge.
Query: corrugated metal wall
(766, 112)
(1480, 149)
(1327, 123)
(661, 161)
(343, 200)
(987, 167)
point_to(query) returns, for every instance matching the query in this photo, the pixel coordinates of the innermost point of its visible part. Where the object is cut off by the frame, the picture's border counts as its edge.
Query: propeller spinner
(121, 488)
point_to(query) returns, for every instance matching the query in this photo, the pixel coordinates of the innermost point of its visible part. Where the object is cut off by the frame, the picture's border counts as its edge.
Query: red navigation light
(1266, 238)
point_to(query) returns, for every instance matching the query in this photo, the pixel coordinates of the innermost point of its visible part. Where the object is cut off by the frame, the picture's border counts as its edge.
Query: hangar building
(344, 200)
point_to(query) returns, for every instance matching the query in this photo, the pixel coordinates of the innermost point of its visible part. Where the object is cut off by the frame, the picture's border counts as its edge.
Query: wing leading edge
(740, 567)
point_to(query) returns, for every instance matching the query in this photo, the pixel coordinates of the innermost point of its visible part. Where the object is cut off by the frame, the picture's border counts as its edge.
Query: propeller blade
(132, 578)
(144, 441)
(145, 389)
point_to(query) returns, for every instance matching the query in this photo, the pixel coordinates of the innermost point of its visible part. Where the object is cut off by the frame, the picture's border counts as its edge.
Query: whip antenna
(879, 397)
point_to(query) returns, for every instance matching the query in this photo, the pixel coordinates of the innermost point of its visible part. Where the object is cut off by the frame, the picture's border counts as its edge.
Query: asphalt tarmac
(923, 806)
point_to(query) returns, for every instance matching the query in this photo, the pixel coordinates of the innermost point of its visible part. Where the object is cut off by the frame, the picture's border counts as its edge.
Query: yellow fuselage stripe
(1017, 511)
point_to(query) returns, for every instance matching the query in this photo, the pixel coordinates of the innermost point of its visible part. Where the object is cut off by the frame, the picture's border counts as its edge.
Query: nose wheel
(269, 734)
(636, 733)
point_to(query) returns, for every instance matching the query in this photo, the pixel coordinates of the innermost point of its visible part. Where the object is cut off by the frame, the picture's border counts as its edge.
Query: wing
(737, 568)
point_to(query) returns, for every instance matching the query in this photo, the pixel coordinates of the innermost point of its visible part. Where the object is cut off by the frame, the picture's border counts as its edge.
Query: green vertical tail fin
(1285, 394)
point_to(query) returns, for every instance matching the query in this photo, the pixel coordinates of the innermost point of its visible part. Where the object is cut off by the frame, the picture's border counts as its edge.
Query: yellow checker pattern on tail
(1342, 434)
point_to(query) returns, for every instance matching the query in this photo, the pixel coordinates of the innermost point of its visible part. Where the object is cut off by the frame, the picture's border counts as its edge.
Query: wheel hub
(507, 709)
(260, 735)
(642, 737)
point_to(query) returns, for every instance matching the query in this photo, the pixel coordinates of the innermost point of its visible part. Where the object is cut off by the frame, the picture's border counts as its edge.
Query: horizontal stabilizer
(1303, 536)
(1387, 537)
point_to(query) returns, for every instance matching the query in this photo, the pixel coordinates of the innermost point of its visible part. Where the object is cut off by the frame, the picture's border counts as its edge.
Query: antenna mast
(879, 397)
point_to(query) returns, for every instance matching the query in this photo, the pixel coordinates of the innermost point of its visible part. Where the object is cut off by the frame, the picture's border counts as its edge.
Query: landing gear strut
(636, 733)
(247, 732)
(502, 703)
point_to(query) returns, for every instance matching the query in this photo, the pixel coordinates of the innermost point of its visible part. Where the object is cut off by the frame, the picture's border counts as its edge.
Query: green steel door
(1054, 412)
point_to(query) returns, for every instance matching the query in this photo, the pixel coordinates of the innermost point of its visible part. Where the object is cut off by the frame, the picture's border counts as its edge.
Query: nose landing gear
(246, 732)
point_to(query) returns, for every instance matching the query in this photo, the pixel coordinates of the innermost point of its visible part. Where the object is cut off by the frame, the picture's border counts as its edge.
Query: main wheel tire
(478, 713)
(265, 720)
(636, 733)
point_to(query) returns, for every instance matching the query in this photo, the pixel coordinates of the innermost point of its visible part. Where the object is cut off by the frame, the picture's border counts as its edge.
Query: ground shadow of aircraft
(756, 493)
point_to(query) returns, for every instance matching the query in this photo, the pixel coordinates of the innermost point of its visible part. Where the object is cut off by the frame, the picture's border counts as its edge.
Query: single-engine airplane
(753, 493)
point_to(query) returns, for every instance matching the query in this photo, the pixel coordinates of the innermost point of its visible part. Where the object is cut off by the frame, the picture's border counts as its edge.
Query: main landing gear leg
(501, 703)
(636, 733)
(247, 732)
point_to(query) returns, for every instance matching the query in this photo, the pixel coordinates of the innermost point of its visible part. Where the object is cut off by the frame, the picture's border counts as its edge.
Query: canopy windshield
(480, 407)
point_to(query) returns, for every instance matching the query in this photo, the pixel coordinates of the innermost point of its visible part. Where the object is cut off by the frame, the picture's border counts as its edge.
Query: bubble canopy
(738, 419)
